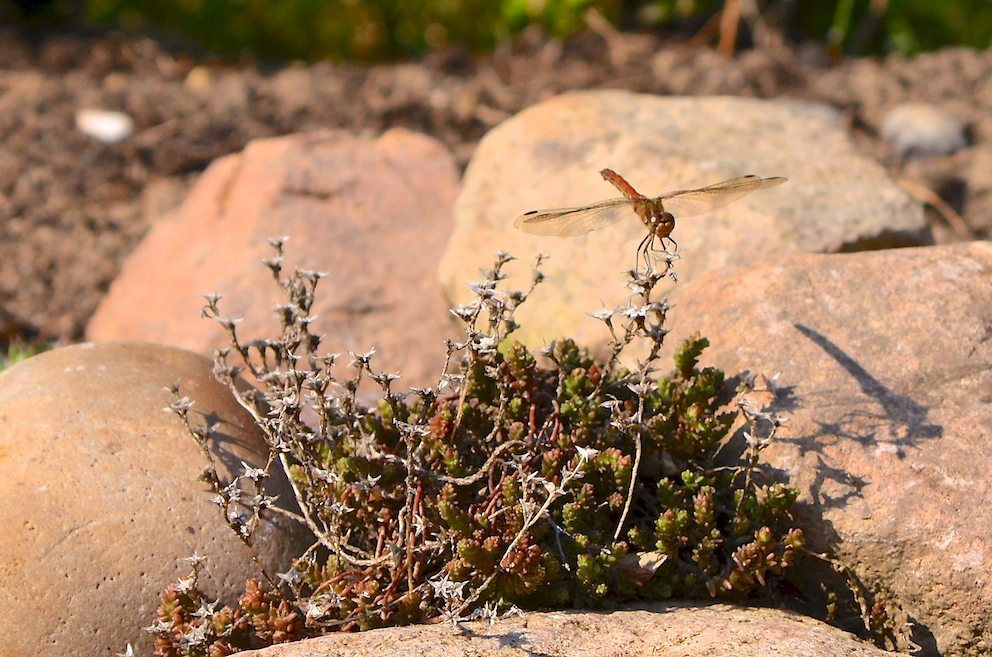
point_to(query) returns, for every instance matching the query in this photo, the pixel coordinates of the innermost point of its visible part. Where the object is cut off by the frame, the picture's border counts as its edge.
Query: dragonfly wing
(568, 222)
(686, 203)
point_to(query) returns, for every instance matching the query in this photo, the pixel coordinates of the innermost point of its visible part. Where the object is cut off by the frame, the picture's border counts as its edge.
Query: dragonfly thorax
(659, 222)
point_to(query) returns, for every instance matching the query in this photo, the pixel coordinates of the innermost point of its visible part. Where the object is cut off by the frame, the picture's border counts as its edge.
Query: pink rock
(662, 630)
(373, 214)
(886, 367)
(101, 500)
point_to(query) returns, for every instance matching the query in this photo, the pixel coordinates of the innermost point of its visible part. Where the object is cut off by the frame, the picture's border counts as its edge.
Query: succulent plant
(521, 480)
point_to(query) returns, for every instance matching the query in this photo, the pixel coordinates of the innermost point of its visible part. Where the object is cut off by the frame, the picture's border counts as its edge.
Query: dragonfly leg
(644, 249)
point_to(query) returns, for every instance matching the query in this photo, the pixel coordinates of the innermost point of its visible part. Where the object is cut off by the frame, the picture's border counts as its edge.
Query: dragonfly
(657, 213)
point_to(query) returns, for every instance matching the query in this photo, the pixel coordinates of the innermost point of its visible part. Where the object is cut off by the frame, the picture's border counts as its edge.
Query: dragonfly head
(661, 224)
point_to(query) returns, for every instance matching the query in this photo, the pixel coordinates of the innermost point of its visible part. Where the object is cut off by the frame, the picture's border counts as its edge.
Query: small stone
(106, 126)
(918, 130)
(199, 80)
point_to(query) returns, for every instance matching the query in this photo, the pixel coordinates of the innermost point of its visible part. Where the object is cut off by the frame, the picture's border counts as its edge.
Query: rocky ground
(71, 207)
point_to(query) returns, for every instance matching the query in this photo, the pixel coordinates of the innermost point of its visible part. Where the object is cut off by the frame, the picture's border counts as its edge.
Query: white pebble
(108, 127)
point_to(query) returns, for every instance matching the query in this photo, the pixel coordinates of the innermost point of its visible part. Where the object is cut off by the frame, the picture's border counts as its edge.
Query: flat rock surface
(658, 630)
(373, 214)
(885, 370)
(550, 155)
(101, 500)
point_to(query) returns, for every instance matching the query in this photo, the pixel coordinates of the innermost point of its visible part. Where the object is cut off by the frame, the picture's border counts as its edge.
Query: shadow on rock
(905, 417)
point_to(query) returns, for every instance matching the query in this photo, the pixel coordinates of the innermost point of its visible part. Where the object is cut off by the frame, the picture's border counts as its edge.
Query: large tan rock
(372, 213)
(101, 500)
(885, 365)
(550, 156)
(657, 630)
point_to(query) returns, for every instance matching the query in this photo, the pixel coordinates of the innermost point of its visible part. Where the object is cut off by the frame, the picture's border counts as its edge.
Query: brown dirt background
(72, 208)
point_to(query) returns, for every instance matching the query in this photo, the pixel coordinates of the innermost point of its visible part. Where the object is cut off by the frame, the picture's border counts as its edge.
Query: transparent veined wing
(568, 222)
(686, 203)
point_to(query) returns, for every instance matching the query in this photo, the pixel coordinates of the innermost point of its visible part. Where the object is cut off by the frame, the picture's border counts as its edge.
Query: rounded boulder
(102, 498)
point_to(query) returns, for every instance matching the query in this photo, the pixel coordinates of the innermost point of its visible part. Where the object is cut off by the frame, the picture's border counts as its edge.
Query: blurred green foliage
(857, 27)
(20, 351)
(391, 29)
(336, 29)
